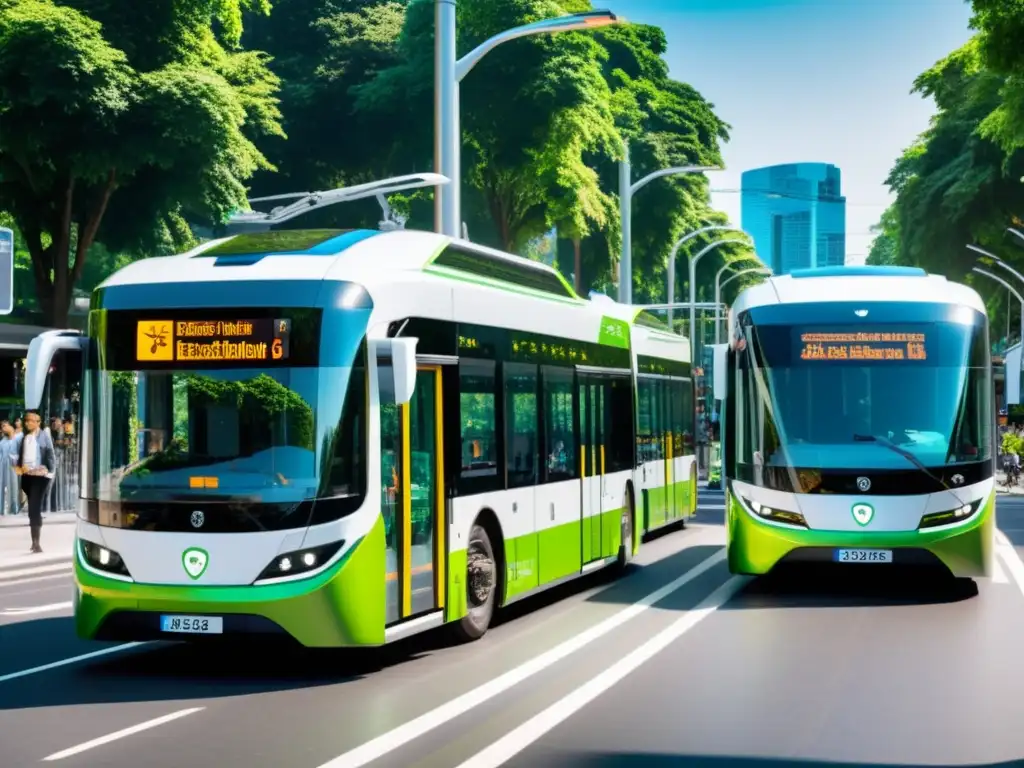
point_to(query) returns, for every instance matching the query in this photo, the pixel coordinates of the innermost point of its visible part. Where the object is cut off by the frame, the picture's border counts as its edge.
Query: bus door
(413, 499)
(592, 408)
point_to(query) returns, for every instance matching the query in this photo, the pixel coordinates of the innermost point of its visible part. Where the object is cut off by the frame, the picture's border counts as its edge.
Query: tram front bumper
(755, 547)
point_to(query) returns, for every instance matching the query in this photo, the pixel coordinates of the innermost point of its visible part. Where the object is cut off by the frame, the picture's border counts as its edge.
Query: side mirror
(40, 354)
(396, 369)
(721, 361)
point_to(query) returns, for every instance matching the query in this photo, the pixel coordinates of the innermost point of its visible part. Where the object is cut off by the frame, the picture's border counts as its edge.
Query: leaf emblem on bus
(862, 513)
(195, 561)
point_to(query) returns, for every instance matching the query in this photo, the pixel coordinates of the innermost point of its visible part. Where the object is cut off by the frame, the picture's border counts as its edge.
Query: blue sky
(810, 80)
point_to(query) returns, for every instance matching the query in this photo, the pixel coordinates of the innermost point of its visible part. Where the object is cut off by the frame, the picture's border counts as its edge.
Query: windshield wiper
(909, 457)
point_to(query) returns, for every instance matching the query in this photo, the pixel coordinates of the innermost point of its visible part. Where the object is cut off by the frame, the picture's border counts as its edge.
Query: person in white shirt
(37, 463)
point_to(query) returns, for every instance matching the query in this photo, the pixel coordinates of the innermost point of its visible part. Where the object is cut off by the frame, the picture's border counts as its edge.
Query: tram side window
(347, 477)
(478, 416)
(645, 421)
(521, 448)
(559, 424)
(686, 417)
(618, 440)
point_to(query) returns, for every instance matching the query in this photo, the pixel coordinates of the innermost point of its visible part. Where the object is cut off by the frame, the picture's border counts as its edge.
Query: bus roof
(857, 284)
(397, 260)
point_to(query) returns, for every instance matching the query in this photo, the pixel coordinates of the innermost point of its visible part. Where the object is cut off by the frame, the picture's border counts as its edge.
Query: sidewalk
(57, 539)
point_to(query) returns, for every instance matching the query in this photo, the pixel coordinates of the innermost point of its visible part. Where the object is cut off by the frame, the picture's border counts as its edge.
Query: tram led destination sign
(863, 346)
(263, 340)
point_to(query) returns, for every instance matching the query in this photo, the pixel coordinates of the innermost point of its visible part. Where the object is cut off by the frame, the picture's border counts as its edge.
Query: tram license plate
(863, 555)
(192, 625)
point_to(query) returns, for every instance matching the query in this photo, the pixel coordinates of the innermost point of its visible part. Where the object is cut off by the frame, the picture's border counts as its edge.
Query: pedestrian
(36, 465)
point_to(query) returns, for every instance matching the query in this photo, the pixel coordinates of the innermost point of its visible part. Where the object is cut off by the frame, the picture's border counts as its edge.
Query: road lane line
(1013, 563)
(998, 574)
(65, 662)
(514, 742)
(121, 734)
(1001, 538)
(18, 573)
(34, 579)
(28, 611)
(403, 734)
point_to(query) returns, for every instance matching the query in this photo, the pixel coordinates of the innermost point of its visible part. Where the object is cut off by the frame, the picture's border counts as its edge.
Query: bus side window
(478, 426)
(559, 424)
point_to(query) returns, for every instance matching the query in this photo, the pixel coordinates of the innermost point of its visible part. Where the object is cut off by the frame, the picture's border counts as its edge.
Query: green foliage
(124, 125)
(960, 182)
(885, 248)
(1012, 443)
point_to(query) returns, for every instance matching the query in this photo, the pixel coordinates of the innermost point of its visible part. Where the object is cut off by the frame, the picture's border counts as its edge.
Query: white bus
(352, 436)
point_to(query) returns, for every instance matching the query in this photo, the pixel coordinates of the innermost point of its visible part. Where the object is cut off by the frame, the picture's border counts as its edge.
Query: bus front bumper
(755, 547)
(342, 606)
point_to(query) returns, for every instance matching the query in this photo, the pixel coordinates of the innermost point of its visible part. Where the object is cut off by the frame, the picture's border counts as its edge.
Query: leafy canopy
(124, 125)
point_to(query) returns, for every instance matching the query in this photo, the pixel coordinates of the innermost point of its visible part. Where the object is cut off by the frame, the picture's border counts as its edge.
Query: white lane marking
(1013, 564)
(65, 662)
(35, 609)
(34, 579)
(1001, 538)
(121, 734)
(18, 573)
(403, 734)
(998, 574)
(516, 741)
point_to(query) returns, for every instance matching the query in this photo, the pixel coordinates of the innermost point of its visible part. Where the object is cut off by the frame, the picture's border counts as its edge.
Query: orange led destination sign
(200, 341)
(863, 346)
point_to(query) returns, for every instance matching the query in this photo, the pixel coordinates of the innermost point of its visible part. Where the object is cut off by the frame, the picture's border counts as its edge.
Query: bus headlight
(102, 559)
(300, 561)
(950, 516)
(774, 514)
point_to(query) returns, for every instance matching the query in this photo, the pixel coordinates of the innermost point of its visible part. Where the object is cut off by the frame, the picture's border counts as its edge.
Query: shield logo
(195, 561)
(862, 513)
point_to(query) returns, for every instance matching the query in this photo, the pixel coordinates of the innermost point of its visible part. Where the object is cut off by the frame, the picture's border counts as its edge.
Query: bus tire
(481, 586)
(626, 547)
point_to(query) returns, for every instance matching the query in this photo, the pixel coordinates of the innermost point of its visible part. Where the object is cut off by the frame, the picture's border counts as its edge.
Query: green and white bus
(352, 436)
(858, 422)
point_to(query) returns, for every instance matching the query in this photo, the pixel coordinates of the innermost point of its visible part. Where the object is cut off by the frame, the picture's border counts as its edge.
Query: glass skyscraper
(796, 215)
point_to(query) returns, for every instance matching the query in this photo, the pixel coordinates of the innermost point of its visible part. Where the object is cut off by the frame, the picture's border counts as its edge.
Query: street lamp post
(996, 260)
(626, 191)
(693, 288)
(448, 74)
(758, 270)
(718, 290)
(1012, 290)
(1015, 232)
(671, 288)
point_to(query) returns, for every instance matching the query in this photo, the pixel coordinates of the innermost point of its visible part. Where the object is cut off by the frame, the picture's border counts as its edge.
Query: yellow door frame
(440, 550)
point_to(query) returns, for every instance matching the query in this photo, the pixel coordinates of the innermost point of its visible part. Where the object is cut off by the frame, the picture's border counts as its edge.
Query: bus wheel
(481, 583)
(626, 550)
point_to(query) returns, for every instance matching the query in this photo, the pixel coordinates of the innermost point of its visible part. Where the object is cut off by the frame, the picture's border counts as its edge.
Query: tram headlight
(947, 517)
(101, 558)
(300, 561)
(772, 513)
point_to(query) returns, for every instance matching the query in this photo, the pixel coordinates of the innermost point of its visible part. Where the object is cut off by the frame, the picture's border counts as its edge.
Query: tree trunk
(577, 265)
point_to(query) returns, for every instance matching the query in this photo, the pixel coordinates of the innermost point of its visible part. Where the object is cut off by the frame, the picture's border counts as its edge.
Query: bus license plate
(192, 625)
(863, 555)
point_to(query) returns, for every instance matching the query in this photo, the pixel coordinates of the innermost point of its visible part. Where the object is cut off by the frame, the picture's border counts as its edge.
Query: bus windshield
(840, 396)
(244, 432)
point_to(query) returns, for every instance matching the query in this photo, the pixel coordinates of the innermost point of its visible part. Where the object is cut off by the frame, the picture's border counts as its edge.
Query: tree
(124, 126)
(1001, 27)
(955, 185)
(885, 248)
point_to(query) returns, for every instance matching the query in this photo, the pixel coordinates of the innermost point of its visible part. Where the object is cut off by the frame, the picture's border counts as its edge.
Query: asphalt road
(674, 661)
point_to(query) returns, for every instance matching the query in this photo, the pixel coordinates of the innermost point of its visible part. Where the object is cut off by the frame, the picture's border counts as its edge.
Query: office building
(796, 214)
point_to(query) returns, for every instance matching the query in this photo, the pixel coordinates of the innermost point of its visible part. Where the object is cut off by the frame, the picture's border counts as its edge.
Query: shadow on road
(566, 759)
(835, 586)
(178, 671)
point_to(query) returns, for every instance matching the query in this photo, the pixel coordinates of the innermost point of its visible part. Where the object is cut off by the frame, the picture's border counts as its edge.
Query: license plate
(863, 556)
(192, 625)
